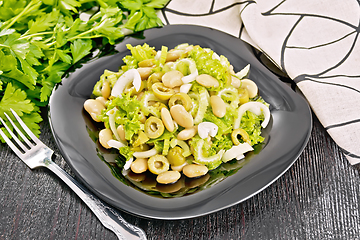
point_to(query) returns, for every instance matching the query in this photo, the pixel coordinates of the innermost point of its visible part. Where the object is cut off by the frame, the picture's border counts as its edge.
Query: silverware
(36, 154)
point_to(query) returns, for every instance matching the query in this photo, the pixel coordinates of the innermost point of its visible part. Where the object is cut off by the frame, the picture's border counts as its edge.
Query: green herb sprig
(40, 40)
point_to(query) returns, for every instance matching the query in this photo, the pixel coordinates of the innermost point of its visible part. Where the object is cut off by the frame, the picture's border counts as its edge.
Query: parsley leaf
(47, 86)
(80, 48)
(16, 99)
(41, 41)
(9, 70)
(157, 4)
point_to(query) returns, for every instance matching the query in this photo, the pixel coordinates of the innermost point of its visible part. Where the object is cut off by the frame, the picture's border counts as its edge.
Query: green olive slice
(182, 99)
(154, 78)
(158, 164)
(162, 92)
(244, 135)
(154, 127)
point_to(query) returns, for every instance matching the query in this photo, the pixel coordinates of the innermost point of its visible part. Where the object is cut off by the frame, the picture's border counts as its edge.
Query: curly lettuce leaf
(109, 76)
(127, 114)
(224, 123)
(126, 153)
(206, 64)
(222, 142)
(202, 155)
(162, 143)
(138, 54)
(251, 123)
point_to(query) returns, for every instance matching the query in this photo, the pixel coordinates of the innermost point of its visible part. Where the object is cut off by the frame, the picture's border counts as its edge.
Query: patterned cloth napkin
(315, 43)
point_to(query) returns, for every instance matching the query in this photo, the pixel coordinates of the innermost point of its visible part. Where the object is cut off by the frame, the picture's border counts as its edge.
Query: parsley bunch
(40, 40)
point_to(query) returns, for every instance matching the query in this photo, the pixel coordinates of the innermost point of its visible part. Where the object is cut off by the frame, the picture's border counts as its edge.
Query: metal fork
(37, 154)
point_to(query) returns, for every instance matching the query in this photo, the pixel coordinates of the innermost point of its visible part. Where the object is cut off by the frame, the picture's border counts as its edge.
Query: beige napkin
(314, 42)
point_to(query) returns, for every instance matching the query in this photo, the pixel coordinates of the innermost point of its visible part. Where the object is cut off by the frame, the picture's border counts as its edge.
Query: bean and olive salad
(179, 112)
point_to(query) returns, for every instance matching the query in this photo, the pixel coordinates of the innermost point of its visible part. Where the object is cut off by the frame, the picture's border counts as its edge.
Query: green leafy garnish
(42, 40)
(15, 98)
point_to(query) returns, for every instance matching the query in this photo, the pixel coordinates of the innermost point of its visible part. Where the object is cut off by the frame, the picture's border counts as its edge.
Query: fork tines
(20, 133)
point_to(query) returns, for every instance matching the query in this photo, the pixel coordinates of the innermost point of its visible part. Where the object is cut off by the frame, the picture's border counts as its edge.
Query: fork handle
(107, 215)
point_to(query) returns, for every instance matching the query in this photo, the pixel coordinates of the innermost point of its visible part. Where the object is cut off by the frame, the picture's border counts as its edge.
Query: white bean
(101, 99)
(140, 165)
(104, 136)
(173, 55)
(194, 170)
(172, 79)
(235, 82)
(144, 72)
(121, 131)
(207, 81)
(167, 119)
(94, 108)
(105, 89)
(181, 116)
(187, 133)
(168, 177)
(218, 106)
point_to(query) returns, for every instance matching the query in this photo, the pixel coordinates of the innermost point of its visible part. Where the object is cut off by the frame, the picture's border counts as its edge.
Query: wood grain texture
(317, 198)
